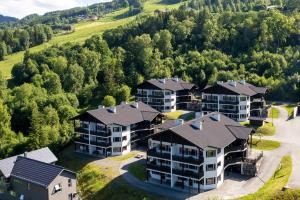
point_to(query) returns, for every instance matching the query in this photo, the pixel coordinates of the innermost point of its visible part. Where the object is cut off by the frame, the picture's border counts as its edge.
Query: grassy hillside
(83, 31)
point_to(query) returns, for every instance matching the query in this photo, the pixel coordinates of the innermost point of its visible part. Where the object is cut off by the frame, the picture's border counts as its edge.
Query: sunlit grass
(264, 145)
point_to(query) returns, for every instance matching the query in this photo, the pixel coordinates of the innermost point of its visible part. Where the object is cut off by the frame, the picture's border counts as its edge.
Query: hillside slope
(84, 30)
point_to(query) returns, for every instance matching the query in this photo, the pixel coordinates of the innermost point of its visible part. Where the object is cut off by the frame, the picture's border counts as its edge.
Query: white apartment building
(236, 99)
(115, 130)
(166, 95)
(197, 153)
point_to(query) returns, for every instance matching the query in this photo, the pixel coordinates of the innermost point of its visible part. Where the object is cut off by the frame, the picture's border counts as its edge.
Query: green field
(138, 170)
(273, 113)
(84, 30)
(264, 145)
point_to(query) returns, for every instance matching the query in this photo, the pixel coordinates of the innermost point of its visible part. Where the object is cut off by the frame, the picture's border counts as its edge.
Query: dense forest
(16, 40)
(198, 45)
(6, 19)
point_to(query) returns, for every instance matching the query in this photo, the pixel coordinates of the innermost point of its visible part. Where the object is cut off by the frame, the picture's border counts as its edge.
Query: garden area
(264, 145)
(268, 129)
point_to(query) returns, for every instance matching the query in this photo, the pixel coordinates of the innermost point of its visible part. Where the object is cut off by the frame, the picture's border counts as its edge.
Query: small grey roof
(214, 133)
(244, 89)
(125, 115)
(43, 155)
(171, 84)
(34, 171)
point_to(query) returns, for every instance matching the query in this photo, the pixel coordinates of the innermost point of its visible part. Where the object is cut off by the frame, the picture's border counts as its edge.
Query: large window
(117, 149)
(210, 153)
(210, 181)
(117, 139)
(116, 129)
(211, 167)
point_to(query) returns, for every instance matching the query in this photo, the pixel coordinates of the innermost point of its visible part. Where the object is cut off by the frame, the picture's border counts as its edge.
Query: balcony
(178, 172)
(210, 100)
(235, 102)
(157, 154)
(101, 133)
(238, 148)
(232, 161)
(96, 143)
(209, 109)
(82, 140)
(235, 111)
(189, 159)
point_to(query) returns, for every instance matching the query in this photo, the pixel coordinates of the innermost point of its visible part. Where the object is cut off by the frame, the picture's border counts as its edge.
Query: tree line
(20, 39)
(51, 86)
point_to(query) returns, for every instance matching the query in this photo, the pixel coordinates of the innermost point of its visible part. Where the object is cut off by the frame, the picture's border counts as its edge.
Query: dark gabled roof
(170, 84)
(36, 172)
(43, 155)
(240, 88)
(214, 133)
(125, 115)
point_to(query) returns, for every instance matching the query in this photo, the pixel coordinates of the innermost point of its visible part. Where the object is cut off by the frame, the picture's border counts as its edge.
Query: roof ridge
(37, 161)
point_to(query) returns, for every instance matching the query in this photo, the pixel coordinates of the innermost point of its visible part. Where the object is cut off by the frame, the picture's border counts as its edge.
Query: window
(124, 128)
(242, 116)
(117, 139)
(124, 148)
(167, 93)
(117, 149)
(116, 129)
(210, 181)
(57, 188)
(243, 107)
(243, 98)
(211, 167)
(124, 138)
(219, 150)
(219, 164)
(70, 196)
(210, 153)
(219, 178)
(69, 182)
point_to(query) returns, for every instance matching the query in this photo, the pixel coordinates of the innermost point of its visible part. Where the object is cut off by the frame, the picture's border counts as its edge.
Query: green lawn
(266, 130)
(173, 115)
(273, 113)
(290, 109)
(84, 30)
(272, 188)
(138, 170)
(124, 157)
(264, 145)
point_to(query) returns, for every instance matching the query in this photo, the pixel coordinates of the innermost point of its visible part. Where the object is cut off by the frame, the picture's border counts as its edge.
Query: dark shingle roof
(43, 155)
(34, 171)
(244, 89)
(125, 115)
(171, 84)
(214, 133)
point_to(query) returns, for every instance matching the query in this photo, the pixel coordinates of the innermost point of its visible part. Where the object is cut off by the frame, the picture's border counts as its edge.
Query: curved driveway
(287, 132)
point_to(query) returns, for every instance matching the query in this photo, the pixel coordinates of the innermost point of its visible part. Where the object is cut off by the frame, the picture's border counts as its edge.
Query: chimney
(179, 122)
(162, 80)
(243, 82)
(199, 115)
(217, 117)
(113, 109)
(136, 104)
(25, 154)
(232, 83)
(101, 106)
(198, 124)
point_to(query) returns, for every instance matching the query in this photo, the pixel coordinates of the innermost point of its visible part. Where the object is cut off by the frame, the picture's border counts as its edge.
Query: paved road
(288, 132)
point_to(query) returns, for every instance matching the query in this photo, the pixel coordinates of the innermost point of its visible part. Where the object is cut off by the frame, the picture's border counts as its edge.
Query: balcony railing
(101, 133)
(235, 148)
(229, 110)
(178, 172)
(234, 102)
(210, 100)
(209, 109)
(96, 143)
(183, 159)
(232, 161)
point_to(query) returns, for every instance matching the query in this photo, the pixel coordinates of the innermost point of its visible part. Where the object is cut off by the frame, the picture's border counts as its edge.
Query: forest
(197, 45)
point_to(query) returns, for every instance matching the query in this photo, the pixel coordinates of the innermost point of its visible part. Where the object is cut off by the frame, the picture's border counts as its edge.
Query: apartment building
(166, 95)
(115, 130)
(196, 154)
(238, 100)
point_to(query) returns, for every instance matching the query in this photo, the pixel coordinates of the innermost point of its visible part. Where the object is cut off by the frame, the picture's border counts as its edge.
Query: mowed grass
(84, 30)
(266, 130)
(124, 157)
(290, 109)
(272, 188)
(273, 113)
(264, 145)
(173, 115)
(138, 170)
